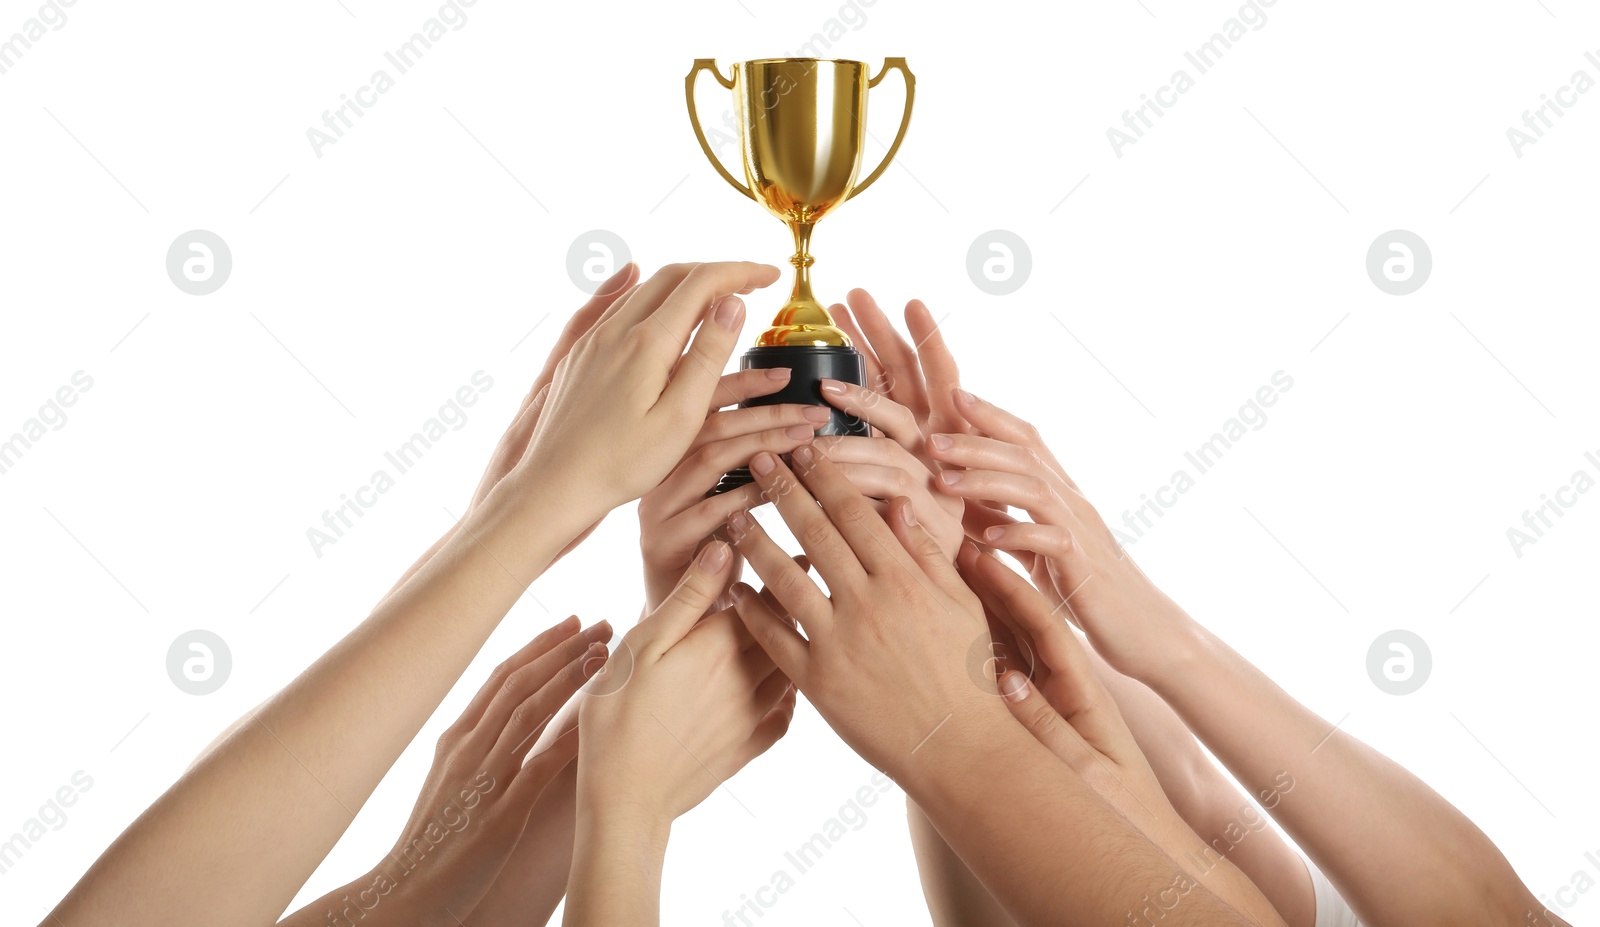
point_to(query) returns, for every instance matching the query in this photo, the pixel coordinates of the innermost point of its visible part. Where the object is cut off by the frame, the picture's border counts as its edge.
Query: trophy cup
(802, 122)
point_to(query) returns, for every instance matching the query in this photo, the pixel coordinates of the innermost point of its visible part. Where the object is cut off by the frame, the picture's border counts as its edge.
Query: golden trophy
(802, 127)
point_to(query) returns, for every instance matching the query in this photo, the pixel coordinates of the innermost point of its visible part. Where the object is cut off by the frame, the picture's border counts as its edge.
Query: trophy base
(811, 365)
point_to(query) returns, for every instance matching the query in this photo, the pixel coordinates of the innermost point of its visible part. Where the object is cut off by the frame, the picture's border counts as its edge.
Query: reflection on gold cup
(802, 123)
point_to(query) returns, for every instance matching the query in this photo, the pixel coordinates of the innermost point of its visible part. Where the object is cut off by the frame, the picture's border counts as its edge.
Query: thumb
(1035, 713)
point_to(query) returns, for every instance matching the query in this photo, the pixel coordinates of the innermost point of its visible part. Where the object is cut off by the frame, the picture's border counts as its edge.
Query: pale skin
(883, 660)
(1432, 865)
(701, 700)
(922, 373)
(630, 393)
(475, 805)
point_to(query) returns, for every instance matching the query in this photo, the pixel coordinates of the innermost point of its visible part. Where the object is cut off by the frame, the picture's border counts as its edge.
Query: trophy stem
(802, 261)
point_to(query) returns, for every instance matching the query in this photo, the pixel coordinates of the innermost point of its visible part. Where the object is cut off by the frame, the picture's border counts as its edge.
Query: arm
(903, 700)
(487, 774)
(314, 752)
(701, 701)
(1432, 865)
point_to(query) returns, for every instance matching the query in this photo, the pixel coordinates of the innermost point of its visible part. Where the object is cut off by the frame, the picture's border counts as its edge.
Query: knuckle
(815, 532)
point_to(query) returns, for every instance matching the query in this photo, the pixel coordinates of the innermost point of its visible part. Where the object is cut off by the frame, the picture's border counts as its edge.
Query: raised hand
(1131, 622)
(691, 701)
(1057, 697)
(883, 658)
(486, 777)
(628, 399)
(677, 517)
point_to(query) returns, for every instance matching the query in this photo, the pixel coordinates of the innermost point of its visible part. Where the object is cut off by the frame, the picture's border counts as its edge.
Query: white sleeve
(1332, 910)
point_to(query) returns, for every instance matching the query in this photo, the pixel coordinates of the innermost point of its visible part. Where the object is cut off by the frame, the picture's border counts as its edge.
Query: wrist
(634, 829)
(1185, 653)
(943, 762)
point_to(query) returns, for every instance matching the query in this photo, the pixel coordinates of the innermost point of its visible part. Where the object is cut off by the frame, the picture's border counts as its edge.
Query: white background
(370, 283)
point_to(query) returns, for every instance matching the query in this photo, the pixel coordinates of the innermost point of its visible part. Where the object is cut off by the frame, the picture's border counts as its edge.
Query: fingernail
(739, 523)
(729, 312)
(950, 477)
(941, 442)
(833, 387)
(778, 373)
(714, 557)
(818, 414)
(994, 534)
(1014, 686)
(799, 432)
(594, 659)
(763, 463)
(963, 397)
(804, 456)
(600, 630)
(908, 514)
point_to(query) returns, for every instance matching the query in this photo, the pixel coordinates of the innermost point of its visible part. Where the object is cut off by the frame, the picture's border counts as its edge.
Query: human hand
(1131, 623)
(628, 398)
(701, 701)
(892, 462)
(677, 517)
(487, 774)
(1075, 717)
(883, 659)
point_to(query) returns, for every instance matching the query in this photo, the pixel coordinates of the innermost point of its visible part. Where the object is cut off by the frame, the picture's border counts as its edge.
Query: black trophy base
(811, 365)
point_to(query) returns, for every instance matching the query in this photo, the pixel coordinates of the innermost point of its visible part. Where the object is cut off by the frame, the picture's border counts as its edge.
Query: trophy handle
(709, 64)
(905, 120)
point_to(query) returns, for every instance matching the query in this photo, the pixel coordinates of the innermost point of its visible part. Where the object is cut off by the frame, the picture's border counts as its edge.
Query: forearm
(1050, 850)
(616, 870)
(1223, 818)
(313, 753)
(535, 877)
(954, 895)
(373, 900)
(1327, 789)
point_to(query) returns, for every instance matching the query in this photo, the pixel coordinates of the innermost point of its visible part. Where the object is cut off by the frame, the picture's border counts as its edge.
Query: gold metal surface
(802, 124)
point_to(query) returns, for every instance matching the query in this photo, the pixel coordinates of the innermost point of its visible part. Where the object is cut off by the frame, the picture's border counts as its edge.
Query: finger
(850, 514)
(735, 388)
(1035, 494)
(1051, 541)
(923, 548)
(772, 727)
(883, 452)
(896, 421)
(733, 423)
(701, 470)
(938, 367)
(815, 529)
(1045, 724)
(523, 681)
(697, 298)
(772, 600)
(877, 482)
(674, 540)
(642, 299)
(1079, 692)
(847, 324)
(528, 720)
(898, 358)
(540, 645)
(588, 315)
(542, 767)
(777, 637)
(996, 422)
(694, 594)
(980, 453)
(790, 586)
